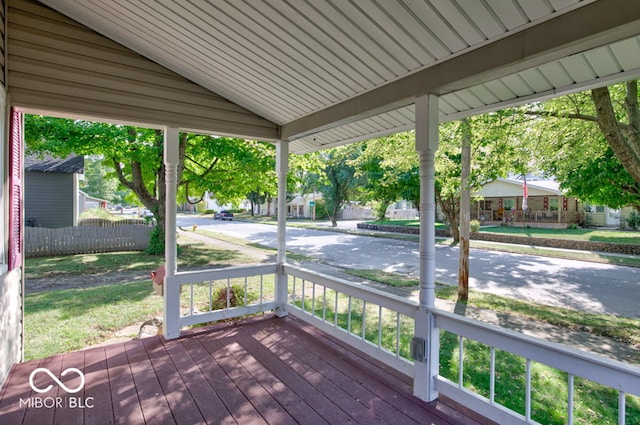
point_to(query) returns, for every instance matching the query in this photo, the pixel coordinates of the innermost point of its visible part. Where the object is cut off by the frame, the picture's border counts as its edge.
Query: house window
(553, 204)
(509, 204)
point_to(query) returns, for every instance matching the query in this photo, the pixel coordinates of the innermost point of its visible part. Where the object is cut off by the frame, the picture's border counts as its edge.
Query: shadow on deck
(259, 371)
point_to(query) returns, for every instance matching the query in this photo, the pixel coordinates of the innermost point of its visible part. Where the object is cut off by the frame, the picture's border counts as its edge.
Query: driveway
(580, 285)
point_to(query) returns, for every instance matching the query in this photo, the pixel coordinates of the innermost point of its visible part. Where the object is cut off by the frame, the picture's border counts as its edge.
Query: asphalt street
(594, 287)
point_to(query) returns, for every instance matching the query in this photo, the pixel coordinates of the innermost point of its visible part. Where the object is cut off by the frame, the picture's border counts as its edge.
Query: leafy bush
(236, 297)
(321, 210)
(474, 225)
(633, 220)
(156, 242)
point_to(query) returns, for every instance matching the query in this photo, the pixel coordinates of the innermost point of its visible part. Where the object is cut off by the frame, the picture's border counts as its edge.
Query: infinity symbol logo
(63, 386)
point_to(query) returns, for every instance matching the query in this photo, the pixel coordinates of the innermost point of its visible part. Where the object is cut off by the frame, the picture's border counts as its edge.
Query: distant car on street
(146, 213)
(223, 215)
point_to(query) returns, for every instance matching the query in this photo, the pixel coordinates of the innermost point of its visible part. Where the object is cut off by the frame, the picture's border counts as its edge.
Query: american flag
(525, 194)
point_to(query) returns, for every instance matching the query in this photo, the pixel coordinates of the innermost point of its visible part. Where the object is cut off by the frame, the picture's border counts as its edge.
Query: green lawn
(623, 329)
(64, 320)
(408, 223)
(594, 235)
(192, 253)
(69, 319)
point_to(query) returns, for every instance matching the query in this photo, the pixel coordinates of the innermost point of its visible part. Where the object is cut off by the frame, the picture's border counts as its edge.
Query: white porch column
(426, 371)
(171, 288)
(282, 167)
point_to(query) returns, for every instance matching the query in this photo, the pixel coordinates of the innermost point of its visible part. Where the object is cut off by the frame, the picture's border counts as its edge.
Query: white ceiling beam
(587, 27)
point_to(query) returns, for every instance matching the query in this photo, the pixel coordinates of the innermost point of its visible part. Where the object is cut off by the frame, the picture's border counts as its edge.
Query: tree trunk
(465, 213)
(623, 140)
(450, 209)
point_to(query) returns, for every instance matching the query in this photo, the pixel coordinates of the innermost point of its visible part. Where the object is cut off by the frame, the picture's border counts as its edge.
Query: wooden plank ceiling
(330, 72)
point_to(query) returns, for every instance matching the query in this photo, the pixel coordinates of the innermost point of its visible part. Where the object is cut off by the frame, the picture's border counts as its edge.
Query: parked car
(146, 213)
(223, 215)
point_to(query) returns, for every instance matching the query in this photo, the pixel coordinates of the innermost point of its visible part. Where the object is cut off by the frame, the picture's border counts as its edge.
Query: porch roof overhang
(328, 73)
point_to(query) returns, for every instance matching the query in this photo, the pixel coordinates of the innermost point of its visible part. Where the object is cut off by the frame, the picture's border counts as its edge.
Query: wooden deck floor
(262, 371)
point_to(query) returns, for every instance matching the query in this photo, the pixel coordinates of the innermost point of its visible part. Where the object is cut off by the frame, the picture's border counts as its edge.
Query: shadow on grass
(195, 255)
(89, 264)
(78, 302)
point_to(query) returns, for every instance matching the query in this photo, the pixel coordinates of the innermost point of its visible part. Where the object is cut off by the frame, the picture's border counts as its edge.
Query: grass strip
(623, 329)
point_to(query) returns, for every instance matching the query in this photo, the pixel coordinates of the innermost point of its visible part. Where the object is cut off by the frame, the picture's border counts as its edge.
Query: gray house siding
(49, 199)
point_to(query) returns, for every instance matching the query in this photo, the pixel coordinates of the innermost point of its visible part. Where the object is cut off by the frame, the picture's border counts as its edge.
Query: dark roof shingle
(49, 164)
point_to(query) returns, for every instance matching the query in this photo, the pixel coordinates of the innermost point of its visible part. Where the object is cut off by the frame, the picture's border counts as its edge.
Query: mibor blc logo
(60, 384)
(69, 402)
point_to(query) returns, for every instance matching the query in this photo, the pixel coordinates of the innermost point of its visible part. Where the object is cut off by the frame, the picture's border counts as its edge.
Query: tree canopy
(229, 168)
(590, 142)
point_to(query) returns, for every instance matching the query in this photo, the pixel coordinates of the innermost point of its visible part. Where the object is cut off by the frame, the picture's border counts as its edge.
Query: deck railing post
(282, 167)
(427, 368)
(171, 317)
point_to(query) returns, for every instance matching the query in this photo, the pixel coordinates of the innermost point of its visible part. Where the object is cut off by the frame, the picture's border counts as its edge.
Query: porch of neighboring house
(502, 203)
(264, 371)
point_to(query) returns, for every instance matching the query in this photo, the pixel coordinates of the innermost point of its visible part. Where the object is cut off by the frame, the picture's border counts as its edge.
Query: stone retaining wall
(613, 248)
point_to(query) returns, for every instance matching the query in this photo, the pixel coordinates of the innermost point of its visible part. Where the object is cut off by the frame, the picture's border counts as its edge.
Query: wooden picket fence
(42, 242)
(103, 222)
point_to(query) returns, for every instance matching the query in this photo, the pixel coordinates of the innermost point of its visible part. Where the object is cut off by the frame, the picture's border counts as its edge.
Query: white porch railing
(359, 316)
(364, 317)
(212, 295)
(382, 325)
(526, 351)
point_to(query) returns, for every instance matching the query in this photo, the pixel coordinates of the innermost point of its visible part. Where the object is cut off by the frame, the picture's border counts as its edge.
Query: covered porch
(380, 354)
(258, 371)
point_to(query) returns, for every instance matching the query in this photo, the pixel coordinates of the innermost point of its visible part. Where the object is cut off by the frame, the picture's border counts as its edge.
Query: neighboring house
(302, 205)
(502, 202)
(87, 202)
(51, 190)
(212, 204)
(402, 210)
(601, 215)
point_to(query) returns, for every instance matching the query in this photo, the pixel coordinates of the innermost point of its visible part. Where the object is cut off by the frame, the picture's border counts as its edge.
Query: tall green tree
(389, 166)
(590, 142)
(229, 168)
(493, 143)
(337, 180)
(99, 180)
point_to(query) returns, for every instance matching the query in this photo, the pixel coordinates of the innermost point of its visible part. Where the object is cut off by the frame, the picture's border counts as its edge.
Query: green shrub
(474, 225)
(236, 297)
(633, 220)
(321, 210)
(156, 242)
